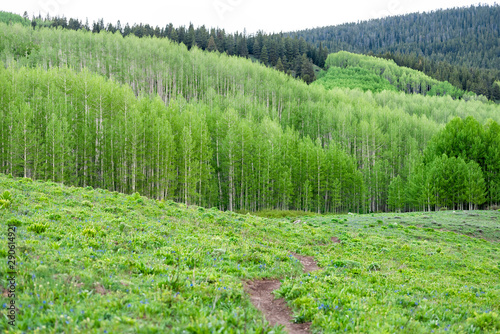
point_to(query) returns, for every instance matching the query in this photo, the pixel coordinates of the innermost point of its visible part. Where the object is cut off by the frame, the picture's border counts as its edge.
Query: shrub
(486, 321)
(113, 209)
(374, 267)
(87, 204)
(346, 263)
(89, 232)
(25, 180)
(54, 216)
(5, 200)
(38, 227)
(14, 222)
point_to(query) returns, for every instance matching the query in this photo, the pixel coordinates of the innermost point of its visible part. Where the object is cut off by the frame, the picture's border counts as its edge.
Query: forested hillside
(149, 115)
(293, 56)
(477, 80)
(459, 45)
(360, 68)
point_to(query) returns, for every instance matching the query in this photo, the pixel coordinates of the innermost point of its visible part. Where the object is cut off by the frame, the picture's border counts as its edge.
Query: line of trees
(382, 134)
(467, 36)
(458, 45)
(286, 54)
(402, 78)
(84, 130)
(460, 169)
(477, 80)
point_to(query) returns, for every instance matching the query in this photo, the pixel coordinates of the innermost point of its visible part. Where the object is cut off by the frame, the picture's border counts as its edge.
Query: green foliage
(485, 321)
(87, 204)
(178, 264)
(89, 232)
(250, 146)
(37, 227)
(396, 195)
(477, 165)
(354, 78)
(11, 18)
(14, 222)
(374, 267)
(375, 74)
(5, 200)
(457, 35)
(278, 213)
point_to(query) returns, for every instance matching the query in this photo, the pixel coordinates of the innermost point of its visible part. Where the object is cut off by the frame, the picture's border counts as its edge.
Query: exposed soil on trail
(308, 262)
(335, 240)
(276, 311)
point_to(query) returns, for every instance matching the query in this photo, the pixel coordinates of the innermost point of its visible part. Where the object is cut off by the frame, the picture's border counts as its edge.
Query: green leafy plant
(5, 200)
(38, 227)
(89, 232)
(14, 222)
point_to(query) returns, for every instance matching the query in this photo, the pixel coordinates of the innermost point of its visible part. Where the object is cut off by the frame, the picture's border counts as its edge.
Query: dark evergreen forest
(460, 45)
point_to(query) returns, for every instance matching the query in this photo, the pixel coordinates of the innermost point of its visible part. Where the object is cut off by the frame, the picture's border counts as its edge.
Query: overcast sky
(232, 15)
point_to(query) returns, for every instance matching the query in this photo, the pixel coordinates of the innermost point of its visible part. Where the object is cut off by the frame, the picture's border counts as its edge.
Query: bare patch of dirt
(5, 292)
(276, 311)
(308, 262)
(335, 240)
(75, 281)
(100, 289)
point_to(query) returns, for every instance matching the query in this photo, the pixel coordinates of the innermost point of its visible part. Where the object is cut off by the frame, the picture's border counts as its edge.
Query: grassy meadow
(94, 261)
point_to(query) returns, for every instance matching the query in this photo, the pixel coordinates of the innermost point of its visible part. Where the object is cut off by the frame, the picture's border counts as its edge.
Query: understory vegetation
(94, 261)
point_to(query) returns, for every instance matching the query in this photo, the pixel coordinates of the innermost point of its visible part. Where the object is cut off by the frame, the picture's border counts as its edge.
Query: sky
(232, 15)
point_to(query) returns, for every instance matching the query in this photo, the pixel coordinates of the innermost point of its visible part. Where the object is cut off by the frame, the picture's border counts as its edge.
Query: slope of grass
(376, 74)
(354, 78)
(392, 273)
(95, 261)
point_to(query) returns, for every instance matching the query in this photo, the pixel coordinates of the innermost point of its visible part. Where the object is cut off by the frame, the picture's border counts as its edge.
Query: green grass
(289, 214)
(353, 78)
(91, 261)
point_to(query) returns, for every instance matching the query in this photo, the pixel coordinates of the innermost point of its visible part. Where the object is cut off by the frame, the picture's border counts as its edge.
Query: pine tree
(242, 47)
(211, 45)
(495, 93)
(279, 66)
(256, 49)
(306, 70)
(263, 55)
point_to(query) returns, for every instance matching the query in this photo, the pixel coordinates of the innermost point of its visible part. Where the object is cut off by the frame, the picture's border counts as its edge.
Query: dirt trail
(308, 262)
(277, 311)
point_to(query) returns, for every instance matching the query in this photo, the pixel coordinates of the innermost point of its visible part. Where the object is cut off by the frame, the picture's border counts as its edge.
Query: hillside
(353, 78)
(477, 80)
(98, 261)
(458, 45)
(274, 50)
(258, 138)
(365, 70)
(466, 36)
